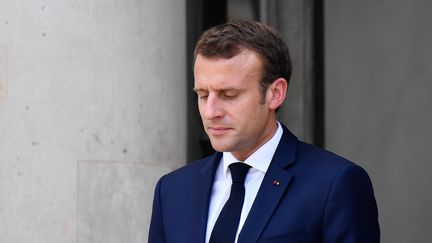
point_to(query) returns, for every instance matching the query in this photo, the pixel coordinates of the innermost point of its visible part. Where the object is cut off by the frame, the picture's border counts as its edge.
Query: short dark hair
(229, 39)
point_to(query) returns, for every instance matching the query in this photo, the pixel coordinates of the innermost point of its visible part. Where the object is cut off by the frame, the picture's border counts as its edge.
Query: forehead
(244, 68)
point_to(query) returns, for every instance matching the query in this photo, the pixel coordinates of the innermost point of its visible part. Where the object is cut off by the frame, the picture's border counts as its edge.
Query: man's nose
(213, 108)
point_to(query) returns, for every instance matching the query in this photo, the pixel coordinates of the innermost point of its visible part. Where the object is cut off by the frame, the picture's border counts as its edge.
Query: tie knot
(239, 171)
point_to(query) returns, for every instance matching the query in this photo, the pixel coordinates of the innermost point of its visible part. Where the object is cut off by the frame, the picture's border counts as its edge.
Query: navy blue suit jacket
(321, 198)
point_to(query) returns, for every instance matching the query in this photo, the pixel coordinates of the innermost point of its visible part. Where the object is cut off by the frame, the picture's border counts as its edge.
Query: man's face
(230, 103)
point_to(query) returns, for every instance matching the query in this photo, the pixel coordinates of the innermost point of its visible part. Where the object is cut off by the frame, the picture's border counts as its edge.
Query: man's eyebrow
(227, 89)
(224, 89)
(198, 90)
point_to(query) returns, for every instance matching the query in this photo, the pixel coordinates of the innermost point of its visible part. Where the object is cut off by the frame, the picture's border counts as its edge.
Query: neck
(244, 154)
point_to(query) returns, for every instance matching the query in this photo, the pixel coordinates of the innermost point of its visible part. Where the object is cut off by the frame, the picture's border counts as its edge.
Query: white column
(92, 112)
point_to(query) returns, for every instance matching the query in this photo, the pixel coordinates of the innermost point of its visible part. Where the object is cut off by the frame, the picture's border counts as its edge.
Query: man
(263, 185)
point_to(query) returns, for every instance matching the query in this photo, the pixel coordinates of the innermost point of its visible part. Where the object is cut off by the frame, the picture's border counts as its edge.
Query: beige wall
(92, 112)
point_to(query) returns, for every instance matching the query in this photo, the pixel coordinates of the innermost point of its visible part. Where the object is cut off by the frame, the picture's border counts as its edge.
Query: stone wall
(92, 112)
(378, 105)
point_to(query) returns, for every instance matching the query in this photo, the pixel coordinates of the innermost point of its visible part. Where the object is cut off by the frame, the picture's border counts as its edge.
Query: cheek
(254, 116)
(200, 108)
(250, 107)
(244, 113)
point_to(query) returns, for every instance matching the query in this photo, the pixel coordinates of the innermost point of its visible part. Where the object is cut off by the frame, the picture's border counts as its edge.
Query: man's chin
(219, 147)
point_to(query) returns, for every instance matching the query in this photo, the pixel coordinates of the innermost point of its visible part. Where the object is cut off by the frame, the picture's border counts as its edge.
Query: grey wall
(91, 114)
(378, 105)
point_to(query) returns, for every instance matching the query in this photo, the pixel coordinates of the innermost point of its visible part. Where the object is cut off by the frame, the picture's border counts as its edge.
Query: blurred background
(96, 103)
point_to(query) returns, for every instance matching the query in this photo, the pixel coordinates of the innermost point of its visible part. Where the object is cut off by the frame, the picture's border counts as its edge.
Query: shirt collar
(260, 159)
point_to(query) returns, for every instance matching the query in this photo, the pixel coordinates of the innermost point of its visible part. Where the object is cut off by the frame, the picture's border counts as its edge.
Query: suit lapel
(272, 189)
(201, 198)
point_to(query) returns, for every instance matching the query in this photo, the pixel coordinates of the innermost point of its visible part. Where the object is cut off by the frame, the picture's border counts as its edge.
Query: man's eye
(230, 96)
(203, 97)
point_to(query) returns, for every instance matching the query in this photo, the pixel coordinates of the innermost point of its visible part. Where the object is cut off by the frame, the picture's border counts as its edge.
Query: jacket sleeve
(156, 231)
(351, 214)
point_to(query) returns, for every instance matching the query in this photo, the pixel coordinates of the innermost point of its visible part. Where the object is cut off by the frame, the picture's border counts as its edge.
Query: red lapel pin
(276, 182)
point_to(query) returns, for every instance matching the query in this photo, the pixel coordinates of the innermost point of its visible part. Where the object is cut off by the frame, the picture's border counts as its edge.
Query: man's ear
(277, 92)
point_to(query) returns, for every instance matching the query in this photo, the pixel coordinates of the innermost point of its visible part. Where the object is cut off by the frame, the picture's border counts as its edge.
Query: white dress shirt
(259, 162)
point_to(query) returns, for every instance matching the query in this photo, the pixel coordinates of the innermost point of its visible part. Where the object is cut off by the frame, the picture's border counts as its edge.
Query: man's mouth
(218, 131)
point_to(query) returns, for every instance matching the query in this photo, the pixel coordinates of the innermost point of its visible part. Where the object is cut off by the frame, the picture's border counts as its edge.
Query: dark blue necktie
(227, 223)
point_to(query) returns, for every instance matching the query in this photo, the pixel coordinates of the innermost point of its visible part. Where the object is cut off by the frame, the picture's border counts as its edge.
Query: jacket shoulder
(312, 153)
(188, 171)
